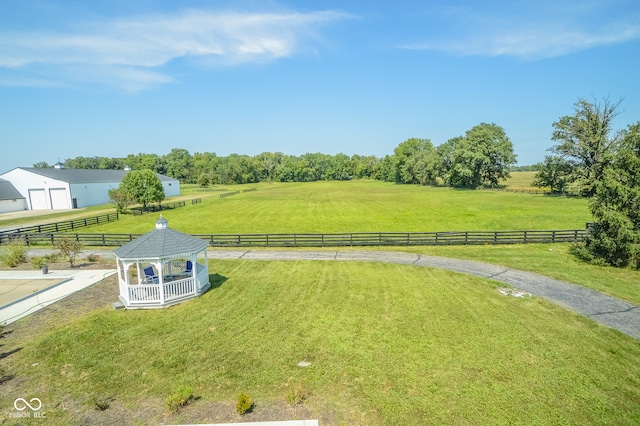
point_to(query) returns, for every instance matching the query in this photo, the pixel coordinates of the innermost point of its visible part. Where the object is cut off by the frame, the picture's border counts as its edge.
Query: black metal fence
(330, 240)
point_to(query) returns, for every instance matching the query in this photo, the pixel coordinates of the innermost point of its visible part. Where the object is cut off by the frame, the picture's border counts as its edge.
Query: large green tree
(144, 186)
(585, 140)
(404, 159)
(481, 158)
(615, 205)
(555, 173)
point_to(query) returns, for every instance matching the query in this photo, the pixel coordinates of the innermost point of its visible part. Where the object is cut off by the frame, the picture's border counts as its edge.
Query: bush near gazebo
(69, 248)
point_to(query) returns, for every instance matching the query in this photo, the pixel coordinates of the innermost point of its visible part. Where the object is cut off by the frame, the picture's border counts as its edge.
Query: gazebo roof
(162, 242)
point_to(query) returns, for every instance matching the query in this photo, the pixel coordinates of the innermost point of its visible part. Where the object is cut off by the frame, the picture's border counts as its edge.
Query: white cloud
(134, 50)
(535, 33)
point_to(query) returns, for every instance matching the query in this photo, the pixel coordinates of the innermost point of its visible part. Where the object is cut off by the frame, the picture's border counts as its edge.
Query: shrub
(244, 403)
(180, 398)
(69, 248)
(296, 396)
(37, 262)
(15, 252)
(93, 257)
(582, 252)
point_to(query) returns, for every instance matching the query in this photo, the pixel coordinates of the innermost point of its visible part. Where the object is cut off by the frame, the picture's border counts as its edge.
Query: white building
(60, 188)
(10, 199)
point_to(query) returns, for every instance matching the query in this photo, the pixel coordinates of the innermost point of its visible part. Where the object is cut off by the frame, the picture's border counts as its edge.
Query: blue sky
(111, 78)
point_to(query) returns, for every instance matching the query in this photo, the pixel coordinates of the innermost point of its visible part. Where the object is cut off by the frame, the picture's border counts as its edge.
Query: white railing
(174, 268)
(179, 289)
(144, 294)
(152, 294)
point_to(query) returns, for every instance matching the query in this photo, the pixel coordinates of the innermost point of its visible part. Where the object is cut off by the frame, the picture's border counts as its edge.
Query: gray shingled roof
(84, 175)
(161, 243)
(8, 191)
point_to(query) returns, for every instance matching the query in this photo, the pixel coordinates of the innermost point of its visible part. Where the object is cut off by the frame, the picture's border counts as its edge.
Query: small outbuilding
(161, 268)
(10, 199)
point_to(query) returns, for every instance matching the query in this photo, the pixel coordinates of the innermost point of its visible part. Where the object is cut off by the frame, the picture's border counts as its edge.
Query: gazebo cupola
(161, 268)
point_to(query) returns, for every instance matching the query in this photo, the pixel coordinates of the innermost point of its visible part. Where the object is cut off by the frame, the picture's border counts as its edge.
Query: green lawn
(388, 344)
(363, 206)
(553, 260)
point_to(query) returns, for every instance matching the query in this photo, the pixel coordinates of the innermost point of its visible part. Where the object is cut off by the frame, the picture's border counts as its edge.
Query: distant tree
(482, 157)
(83, 163)
(203, 163)
(146, 161)
(143, 186)
(403, 154)
(585, 139)
(121, 198)
(285, 171)
(42, 165)
(266, 163)
(365, 167)
(179, 165)
(425, 166)
(204, 180)
(107, 163)
(555, 173)
(340, 168)
(615, 206)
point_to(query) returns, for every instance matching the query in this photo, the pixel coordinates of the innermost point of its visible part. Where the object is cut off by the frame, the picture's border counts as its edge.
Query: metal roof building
(10, 198)
(60, 188)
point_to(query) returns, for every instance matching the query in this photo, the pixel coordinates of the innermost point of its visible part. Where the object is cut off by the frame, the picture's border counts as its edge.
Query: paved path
(606, 310)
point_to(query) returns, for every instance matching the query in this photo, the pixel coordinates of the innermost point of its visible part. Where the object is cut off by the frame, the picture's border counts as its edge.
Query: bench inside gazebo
(161, 268)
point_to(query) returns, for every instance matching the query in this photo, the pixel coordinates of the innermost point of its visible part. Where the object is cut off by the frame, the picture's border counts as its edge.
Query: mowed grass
(388, 344)
(363, 206)
(554, 260)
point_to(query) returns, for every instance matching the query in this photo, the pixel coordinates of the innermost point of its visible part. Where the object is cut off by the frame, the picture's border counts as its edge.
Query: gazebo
(161, 268)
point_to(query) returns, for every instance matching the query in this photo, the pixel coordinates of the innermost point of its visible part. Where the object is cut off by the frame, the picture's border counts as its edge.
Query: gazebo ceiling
(162, 242)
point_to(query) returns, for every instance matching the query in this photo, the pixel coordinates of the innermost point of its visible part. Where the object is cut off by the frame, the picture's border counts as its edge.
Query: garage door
(59, 199)
(37, 199)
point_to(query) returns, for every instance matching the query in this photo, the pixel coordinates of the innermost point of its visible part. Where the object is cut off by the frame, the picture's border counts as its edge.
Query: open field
(363, 206)
(388, 344)
(521, 180)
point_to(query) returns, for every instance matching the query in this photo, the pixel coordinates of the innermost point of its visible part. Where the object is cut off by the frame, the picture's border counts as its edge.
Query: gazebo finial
(161, 223)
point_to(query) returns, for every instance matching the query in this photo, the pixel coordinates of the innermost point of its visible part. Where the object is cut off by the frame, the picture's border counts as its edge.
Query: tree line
(589, 158)
(480, 157)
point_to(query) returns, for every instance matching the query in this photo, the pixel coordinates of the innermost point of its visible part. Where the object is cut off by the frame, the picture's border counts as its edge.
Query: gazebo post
(194, 272)
(159, 268)
(206, 264)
